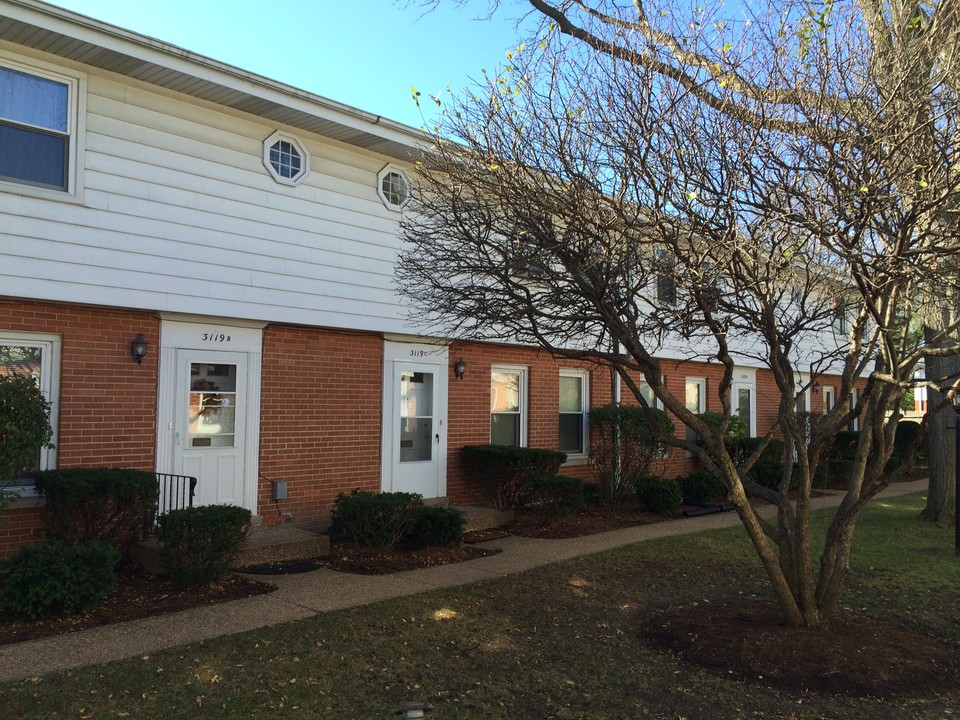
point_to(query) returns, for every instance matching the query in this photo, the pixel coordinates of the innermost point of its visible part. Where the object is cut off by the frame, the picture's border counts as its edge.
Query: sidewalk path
(307, 594)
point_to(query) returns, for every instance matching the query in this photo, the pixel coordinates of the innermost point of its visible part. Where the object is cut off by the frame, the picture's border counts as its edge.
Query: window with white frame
(285, 158)
(38, 127)
(828, 398)
(508, 401)
(841, 322)
(666, 266)
(393, 187)
(36, 356)
(854, 424)
(574, 405)
(695, 398)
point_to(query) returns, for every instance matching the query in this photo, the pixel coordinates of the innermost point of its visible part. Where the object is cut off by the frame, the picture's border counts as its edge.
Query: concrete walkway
(307, 594)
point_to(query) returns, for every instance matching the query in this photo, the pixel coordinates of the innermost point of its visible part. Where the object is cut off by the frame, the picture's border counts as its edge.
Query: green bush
(907, 432)
(625, 440)
(845, 445)
(768, 469)
(24, 429)
(200, 544)
(736, 428)
(437, 525)
(106, 504)
(660, 495)
(503, 471)
(701, 486)
(378, 520)
(58, 580)
(551, 496)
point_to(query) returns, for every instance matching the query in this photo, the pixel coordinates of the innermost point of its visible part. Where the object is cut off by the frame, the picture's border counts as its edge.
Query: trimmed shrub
(57, 579)
(845, 445)
(24, 430)
(660, 495)
(200, 544)
(551, 496)
(377, 520)
(736, 428)
(625, 440)
(701, 486)
(503, 471)
(106, 504)
(437, 525)
(907, 432)
(768, 469)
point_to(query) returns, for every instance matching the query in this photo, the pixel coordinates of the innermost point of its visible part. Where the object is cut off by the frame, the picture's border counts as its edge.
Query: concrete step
(482, 518)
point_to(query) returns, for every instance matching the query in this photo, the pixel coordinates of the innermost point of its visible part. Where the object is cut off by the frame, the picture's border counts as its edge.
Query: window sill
(28, 498)
(65, 196)
(575, 460)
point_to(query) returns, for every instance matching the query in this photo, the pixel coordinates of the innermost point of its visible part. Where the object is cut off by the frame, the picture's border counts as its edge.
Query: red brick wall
(469, 406)
(108, 403)
(320, 417)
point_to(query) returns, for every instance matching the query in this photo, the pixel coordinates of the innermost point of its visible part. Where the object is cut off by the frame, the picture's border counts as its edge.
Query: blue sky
(365, 53)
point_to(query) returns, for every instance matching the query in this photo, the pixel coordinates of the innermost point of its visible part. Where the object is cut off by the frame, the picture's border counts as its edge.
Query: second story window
(286, 159)
(35, 129)
(393, 187)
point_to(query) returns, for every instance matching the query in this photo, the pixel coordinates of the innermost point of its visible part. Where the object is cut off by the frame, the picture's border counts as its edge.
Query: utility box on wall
(279, 490)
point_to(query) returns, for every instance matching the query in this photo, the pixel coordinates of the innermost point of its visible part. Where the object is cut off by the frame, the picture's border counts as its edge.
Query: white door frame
(211, 335)
(745, 379)
(415, 353)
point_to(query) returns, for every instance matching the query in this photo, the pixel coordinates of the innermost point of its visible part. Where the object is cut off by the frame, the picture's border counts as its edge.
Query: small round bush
(701, 486)
(200, 544)
(437, 526)
(660, 495)
(58, 580)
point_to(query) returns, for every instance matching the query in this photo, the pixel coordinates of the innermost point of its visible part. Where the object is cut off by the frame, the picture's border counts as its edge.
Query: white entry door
(210, 424)
(414, 419)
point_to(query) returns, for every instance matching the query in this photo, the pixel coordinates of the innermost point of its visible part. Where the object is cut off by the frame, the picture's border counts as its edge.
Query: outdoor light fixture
(412, 711)
(460, 369)
(816, 387)
(138, 348)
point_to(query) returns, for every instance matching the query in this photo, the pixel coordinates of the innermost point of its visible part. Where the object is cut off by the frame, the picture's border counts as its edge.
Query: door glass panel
(416, 416)
(213, 405)
(743, 408)
(26, 361)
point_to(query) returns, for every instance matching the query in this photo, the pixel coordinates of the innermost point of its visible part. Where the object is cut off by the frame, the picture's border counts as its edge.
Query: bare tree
(682, 193)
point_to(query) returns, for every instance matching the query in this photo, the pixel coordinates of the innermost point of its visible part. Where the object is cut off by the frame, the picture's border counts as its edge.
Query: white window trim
(746, 380)
(279, 136)
(584, 376)
(829, 391)
(702, 382)
(855, 421)
(386, 170)
(76, 128)
(524, 410)
(49, 386)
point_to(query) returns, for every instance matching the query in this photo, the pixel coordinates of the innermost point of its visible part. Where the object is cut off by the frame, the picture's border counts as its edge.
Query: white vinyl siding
(180, 216)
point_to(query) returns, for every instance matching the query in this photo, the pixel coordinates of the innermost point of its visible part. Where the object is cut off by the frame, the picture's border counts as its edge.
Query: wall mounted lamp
(138, 348)
(816, 387)
(460, 369)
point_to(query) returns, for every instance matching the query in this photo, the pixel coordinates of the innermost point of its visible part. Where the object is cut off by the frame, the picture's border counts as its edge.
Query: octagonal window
(394, 188)
(285, 159)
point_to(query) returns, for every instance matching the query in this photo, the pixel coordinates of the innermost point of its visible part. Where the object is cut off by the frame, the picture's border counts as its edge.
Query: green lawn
(557, 642)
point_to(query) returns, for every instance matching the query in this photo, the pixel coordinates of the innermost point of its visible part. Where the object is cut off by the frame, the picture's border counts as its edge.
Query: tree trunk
(941, 444)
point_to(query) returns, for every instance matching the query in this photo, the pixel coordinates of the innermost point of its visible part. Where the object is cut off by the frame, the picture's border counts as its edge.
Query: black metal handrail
(174, 492)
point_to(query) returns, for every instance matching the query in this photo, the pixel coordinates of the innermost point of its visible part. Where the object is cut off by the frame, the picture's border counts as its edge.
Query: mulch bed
(587, 521)
(137, 594)
(856, 657)
(347, 557)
